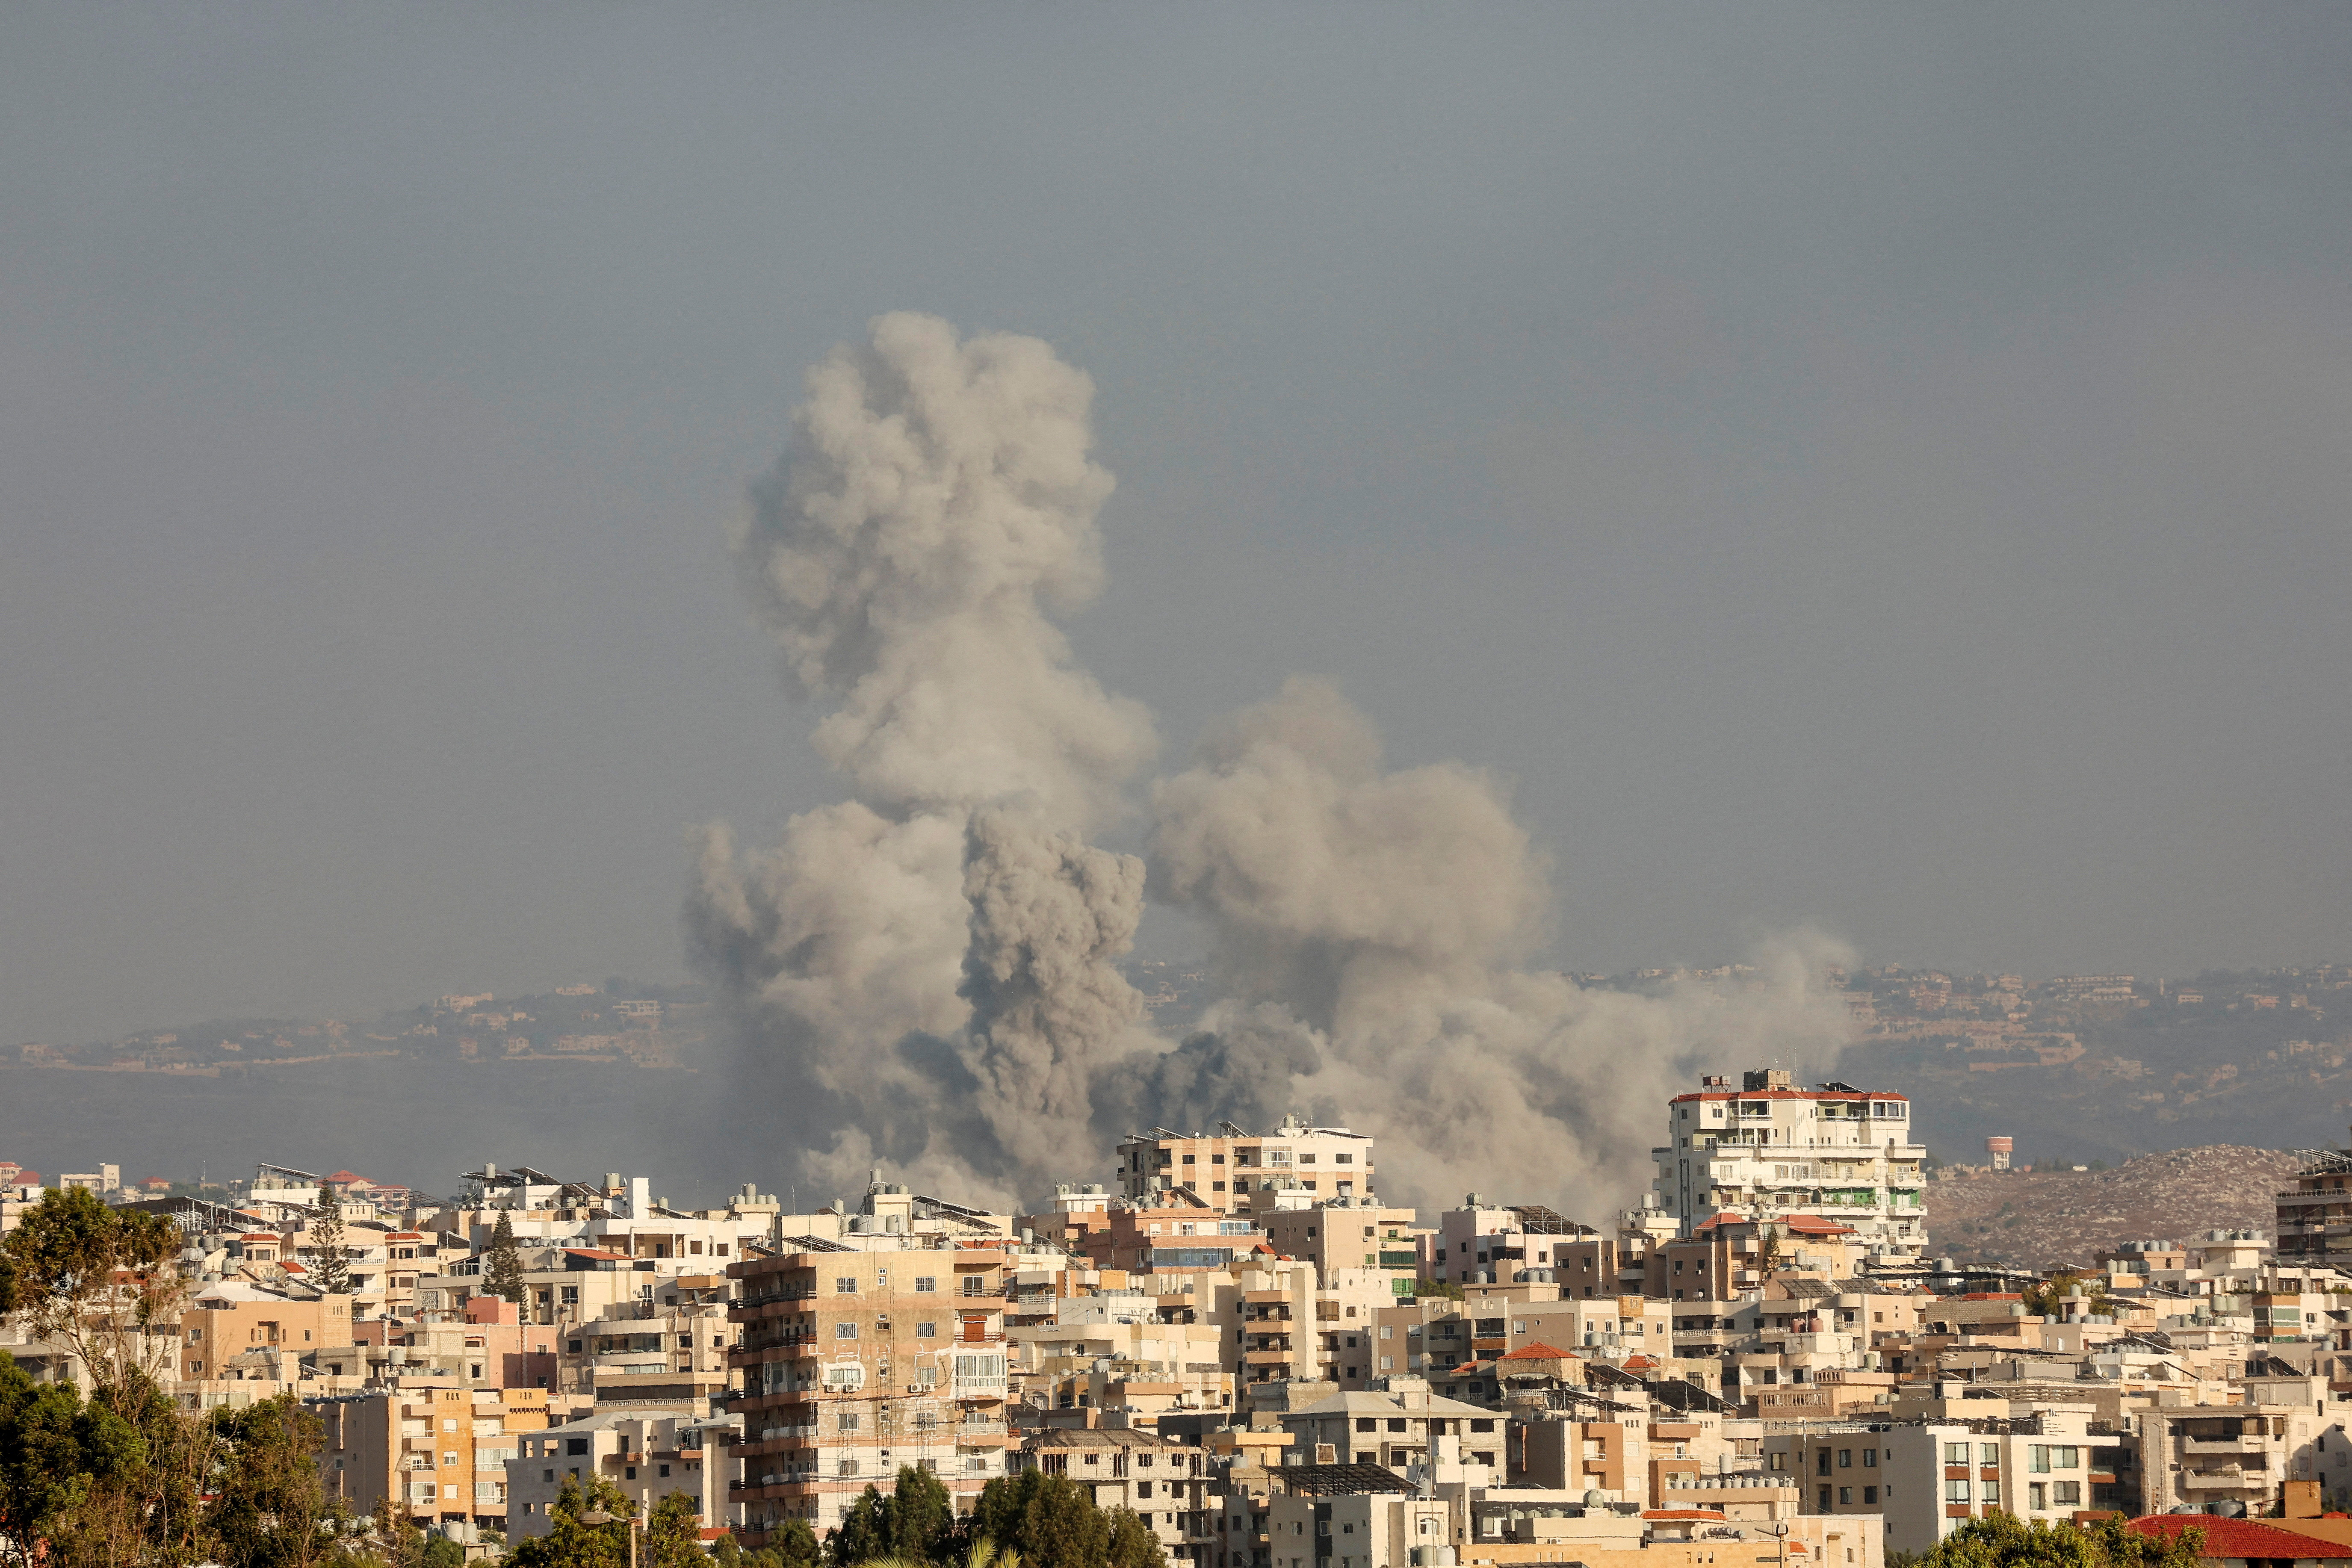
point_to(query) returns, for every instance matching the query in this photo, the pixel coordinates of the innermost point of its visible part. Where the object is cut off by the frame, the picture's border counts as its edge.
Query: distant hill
(2042, 1219)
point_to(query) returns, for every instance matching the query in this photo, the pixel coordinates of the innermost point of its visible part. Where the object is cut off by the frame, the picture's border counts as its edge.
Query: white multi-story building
(1769, 1148)
(1295, 1166)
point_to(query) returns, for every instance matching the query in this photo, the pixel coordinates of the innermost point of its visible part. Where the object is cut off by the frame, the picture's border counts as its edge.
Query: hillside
(2042, 1220)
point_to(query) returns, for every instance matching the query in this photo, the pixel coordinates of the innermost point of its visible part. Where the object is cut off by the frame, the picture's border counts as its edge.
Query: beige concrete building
(647, 1454)
(854, 1363)
(1164, 1484)
(229, 1319)
(1293, 1166)
(439, 1451)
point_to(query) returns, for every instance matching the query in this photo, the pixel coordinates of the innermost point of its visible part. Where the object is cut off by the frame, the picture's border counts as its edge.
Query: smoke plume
(926, 974)
(923, 974)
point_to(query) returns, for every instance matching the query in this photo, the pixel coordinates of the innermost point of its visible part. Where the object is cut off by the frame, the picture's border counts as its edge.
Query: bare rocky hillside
(2044, 1219)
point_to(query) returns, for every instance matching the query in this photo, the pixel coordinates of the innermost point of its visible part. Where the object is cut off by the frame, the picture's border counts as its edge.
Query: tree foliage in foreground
(2005, 1541)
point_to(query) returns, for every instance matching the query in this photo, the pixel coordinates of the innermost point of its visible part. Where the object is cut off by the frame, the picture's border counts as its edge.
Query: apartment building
(229, 1320)
(1769, 1150)
(2202, 1455)
(647, 1454)
(484, 1341)
(1928, 1476)
(1283, 1323)
(668, 1344)
(1355, 1233)
(1434, 1334)
(1502, 1244)
(440, 1452)
(1352, 1516)
(1165, 1484)
(857, 1362)
(1391, 1430)
(2315, 1216)
(1182, 1234)
(1292, 1167)
(1120, 1358)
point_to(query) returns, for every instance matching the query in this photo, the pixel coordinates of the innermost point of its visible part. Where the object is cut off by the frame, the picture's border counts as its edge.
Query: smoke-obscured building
(1293, 1167)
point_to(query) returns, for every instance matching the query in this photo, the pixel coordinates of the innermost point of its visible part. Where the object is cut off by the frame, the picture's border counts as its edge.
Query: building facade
(1295, 1166)
(856, 1364)
(1769, 1149)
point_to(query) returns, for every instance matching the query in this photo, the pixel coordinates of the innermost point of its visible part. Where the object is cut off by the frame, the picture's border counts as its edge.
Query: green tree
(105, 1283)
(334, 1275)
(2004, 1541)
(915, 1524)
(1053, 1523)
(792, 1544)
(572, 1543)
(112, 1480)
(674, 1534)
(502, 1265)
(2043, 1299)
(1132, 1545)
(271, 1511)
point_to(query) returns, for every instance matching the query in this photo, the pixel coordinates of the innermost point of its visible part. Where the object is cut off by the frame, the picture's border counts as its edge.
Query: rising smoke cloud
(926, 974)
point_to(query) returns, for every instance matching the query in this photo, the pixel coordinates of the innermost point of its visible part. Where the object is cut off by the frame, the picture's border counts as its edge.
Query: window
(845, 1285)
(1845, 1458)
(844, 1330)
(1824, 1498)
(1821, 1462)
(2037, 1495)
(1143, 1489)
(1989, 1455)
(975, 1285)
(1367, 1423)
(1955, 1453)
(1869, 1495)
(846, 1422)
(1956, 1491)
(1870, 1458)
(1991, 1492)
(2066, 1494)
(1845, 1495)
(2067, 1458)
(927, 1330)
(924, 1284)
(575, 1445)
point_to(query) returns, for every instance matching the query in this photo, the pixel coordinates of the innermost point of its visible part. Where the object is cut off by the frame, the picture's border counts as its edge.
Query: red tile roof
(1538, 1350)
(2238, 1537)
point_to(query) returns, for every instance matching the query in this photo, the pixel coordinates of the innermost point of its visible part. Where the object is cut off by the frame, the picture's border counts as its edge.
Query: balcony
(2227, 1478)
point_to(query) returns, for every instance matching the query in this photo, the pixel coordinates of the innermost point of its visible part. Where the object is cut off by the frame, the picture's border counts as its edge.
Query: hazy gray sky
(1879, 467)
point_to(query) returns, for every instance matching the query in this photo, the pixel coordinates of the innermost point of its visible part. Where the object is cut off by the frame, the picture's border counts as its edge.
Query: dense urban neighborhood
(1233, 1352)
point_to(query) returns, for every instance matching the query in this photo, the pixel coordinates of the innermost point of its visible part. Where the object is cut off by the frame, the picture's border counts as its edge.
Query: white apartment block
(1928, 1479)
(1769, 1149)
(1293, 1167)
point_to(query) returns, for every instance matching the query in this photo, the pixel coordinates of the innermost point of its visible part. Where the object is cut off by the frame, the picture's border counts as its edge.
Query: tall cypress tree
(334, 1275)
(502, 1265)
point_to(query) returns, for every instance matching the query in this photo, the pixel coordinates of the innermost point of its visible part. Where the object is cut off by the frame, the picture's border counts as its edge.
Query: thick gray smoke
(1387, 913)
(925, 975)
(935, 504)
